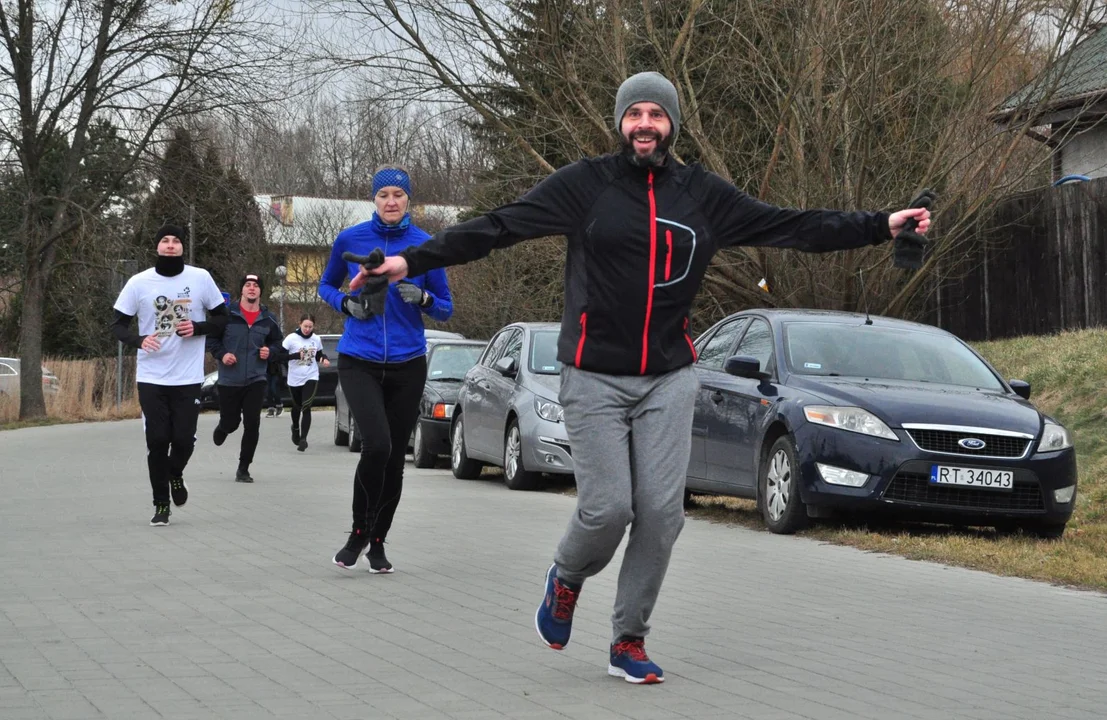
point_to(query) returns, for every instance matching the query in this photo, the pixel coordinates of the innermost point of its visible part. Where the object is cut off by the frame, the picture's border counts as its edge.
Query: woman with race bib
(305, 352)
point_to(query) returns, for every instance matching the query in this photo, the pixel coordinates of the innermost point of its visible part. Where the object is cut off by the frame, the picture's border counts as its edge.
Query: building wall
(306, 265)
(1086, 153)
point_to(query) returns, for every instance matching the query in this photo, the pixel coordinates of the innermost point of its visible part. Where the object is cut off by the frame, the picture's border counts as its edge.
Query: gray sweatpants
(631, 437)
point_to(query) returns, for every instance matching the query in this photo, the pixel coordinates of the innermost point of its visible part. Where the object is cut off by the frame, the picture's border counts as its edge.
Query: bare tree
(831, 103)
(329, 142)
(140, 64)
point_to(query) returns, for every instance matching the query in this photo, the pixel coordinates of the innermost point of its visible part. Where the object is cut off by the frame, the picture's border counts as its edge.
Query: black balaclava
(165, 264)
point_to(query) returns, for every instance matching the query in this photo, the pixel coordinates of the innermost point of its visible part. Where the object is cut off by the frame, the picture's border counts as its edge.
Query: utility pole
(191, 236)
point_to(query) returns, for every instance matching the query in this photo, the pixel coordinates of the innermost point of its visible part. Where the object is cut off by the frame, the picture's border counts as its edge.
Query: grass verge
(87, 391)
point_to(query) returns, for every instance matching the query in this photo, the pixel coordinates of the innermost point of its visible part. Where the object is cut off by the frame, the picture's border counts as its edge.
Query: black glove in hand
(373, 293)
(357, 307)
(909, 246)
(411, 293)
(370, 262)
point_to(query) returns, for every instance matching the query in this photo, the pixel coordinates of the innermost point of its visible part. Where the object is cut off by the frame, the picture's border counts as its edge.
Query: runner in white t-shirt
(176, 304)
(305, 352)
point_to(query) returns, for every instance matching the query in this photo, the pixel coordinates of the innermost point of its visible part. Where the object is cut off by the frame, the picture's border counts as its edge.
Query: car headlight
(853, 419)
(442, 411)
(549, 410)
(841, 476)
(1054, 438)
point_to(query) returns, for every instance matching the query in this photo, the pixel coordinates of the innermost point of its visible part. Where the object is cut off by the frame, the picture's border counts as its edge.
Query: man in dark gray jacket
(243, 350)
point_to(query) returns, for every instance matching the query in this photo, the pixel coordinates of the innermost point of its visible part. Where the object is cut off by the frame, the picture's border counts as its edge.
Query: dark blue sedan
(812, 412)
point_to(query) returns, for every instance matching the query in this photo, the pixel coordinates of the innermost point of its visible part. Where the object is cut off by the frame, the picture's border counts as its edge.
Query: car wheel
(341, 437)
(463, 467)
(355, 435)
(420, 455)
(778, 496)
(516, 476)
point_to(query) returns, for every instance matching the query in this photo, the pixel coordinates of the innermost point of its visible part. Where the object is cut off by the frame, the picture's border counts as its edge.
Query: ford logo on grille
(972, 443)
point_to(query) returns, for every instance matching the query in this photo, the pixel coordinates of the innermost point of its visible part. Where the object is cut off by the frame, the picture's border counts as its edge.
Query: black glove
(909, 246)
(371, 300)
(370, 262)
(413, 294)
(357, 307)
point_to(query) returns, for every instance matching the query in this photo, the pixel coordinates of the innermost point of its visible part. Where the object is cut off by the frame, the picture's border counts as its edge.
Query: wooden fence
(1042, 269)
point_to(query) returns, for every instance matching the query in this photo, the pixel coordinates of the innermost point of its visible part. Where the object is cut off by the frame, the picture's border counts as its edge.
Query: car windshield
(330, 349)
(543, 353)
(451, 362)
(886, 353)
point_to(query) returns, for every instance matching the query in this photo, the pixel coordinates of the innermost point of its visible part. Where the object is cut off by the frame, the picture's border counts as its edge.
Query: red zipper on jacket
(580, 343)
(653, 271)
(691, 345)
(668, 254)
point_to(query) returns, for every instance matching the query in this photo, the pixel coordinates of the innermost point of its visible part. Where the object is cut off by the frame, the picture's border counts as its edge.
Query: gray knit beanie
(648, 87)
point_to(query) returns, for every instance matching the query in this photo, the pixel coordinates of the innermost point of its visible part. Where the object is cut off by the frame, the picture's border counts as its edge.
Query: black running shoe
(179, 490)
(302, 445)
(280, 409)
(161, 515)
(218, 436)
(295, 435)
(346, 558)
(272, 413)
(243, 475)
(378, 563)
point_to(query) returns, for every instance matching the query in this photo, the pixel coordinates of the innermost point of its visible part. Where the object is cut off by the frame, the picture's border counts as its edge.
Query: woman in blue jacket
(382, 361)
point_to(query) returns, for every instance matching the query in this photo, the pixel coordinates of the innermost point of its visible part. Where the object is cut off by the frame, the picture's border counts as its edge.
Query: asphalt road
(235, 610)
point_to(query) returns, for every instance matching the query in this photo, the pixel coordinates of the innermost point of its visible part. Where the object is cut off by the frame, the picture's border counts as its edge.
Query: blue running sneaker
(630, 662)
(554, 619)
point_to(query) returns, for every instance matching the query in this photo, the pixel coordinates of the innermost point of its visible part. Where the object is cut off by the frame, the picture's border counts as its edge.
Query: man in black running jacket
(641, 230)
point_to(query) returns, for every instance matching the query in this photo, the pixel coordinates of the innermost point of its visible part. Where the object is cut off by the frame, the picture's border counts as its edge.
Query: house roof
(297, 220)
(1077, 76)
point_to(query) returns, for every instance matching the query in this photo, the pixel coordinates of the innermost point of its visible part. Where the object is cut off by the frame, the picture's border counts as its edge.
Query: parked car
(507, 412)
(810, 412)
(345, 427)
(9, 378)
(447, 363)
(324, 394)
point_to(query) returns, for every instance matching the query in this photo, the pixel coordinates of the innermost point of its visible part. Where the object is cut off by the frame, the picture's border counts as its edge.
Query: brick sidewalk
(235, 611)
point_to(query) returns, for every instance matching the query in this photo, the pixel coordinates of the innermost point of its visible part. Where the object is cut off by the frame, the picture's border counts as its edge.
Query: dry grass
(1067, 373)
(88, 392)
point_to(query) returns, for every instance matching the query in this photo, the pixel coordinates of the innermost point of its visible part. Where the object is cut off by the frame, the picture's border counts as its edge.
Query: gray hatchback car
(507, 412)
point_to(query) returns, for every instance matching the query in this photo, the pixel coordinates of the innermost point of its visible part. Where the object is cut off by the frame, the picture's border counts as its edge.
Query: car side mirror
(1021, 388)
(505, 366)
(745, 366)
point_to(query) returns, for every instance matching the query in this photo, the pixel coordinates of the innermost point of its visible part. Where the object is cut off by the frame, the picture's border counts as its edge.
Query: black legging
(384, 399)
(302, 398)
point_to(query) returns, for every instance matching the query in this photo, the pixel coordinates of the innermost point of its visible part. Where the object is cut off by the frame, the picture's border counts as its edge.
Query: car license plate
(972, 477)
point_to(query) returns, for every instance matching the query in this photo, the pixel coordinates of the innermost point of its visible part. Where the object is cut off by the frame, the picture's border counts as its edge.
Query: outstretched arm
(552, 207)
(739, 219)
